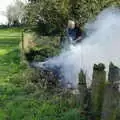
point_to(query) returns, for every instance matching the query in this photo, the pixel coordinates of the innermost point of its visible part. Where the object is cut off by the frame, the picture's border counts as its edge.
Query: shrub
(30, 88)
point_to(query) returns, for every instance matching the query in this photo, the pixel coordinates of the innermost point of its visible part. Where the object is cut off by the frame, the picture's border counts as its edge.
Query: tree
(56, 13)
(16, 13)
(47, 16)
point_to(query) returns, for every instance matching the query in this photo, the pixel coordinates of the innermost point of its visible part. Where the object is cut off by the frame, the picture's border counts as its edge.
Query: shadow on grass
(11, 57)
(9, 41)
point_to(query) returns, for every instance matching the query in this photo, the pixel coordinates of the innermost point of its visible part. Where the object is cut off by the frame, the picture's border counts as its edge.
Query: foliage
(51, 15)
(47, 16)
(30, 88)
(41, 47)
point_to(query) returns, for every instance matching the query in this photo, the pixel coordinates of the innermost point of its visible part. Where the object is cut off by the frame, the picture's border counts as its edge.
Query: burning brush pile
(53, 75)
(46, 77)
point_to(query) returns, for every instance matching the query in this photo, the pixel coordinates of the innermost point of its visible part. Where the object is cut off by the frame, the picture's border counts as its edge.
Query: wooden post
(83, 91)
(114, 75)
(97, 90)
(22, 44)
(112, 95)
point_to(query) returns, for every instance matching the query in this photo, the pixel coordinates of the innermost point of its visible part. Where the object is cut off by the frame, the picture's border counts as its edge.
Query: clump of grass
(30, 88)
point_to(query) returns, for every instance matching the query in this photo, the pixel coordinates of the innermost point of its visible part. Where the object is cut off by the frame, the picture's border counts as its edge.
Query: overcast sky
(3, 6)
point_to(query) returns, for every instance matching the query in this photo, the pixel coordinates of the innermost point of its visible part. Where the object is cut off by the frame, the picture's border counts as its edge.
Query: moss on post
(97, 90)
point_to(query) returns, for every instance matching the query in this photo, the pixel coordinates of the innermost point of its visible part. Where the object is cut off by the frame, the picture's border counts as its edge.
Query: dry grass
(28, 42)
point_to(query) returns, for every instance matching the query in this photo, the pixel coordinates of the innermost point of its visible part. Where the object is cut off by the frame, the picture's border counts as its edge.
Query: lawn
(9, 56)
(23, 101)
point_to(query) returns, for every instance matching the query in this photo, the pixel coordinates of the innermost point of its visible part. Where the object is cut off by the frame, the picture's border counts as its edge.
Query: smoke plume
(102, 44)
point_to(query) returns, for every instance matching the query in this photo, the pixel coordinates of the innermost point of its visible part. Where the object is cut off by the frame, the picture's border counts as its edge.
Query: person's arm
(79, 38)
(79, 35)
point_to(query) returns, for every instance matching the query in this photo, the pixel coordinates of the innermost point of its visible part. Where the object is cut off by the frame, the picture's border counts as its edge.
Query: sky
(3, 7)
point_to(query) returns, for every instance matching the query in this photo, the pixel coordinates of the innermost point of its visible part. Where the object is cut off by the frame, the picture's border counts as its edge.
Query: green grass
(21, 101)
(9, 55)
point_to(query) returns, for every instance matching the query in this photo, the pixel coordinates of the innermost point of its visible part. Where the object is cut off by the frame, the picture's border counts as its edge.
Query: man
(71, 32)
(74, 33)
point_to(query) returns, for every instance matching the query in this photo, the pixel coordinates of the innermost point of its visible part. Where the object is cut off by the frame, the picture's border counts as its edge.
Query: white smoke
(102, 44)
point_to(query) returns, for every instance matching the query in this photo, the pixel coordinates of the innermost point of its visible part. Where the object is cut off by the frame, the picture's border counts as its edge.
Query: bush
(73, 114)
(44, 47)
(30, 88)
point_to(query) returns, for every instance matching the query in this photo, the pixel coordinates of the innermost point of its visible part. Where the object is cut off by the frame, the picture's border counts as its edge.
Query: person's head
(71, 24)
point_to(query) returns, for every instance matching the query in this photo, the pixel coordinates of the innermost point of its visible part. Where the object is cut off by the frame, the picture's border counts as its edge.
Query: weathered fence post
(22, 46)
(82, 90)
(112, 95)
(114, 74)
(97, 90)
